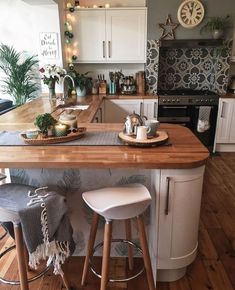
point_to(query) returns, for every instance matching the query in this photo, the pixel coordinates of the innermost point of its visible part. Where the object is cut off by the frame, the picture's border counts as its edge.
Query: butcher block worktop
(186, 150)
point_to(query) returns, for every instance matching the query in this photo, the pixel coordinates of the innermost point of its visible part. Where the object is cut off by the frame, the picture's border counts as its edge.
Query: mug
(142, 132)
(153, 125)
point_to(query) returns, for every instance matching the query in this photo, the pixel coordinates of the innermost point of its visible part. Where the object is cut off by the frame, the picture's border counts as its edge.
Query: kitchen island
(173, 174)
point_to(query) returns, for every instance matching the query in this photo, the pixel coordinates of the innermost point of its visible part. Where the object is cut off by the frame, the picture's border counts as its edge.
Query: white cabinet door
(89, 32)
(111, 35)
(232, 125)
(117, 110)
(179, 211)
(224, 120)
(126, 35)
(150, 108)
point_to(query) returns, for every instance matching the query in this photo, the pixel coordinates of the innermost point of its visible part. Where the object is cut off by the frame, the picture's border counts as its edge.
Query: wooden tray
(160, 139)
(52, 140)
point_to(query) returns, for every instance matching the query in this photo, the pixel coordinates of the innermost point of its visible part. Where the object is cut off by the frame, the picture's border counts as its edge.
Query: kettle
(132, 122)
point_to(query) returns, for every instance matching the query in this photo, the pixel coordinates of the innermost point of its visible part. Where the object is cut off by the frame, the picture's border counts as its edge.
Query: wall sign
(49, 45)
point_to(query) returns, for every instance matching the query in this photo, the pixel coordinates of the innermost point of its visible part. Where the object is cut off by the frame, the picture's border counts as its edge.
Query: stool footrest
(100, 245)
(17, 282)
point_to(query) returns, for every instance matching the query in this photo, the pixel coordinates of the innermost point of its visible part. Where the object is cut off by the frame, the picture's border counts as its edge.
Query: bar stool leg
(144, 246)
(106, 255)
(129, 237)
(21, 257)
(90, 247)
(65, 281)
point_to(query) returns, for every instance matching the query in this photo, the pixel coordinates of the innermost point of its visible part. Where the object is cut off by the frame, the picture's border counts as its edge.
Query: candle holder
(60, 130)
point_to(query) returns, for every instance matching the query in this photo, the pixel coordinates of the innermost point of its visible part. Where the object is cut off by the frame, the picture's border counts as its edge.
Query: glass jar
(68, 119)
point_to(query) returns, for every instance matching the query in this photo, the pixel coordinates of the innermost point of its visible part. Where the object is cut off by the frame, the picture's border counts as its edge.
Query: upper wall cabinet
(115, 35)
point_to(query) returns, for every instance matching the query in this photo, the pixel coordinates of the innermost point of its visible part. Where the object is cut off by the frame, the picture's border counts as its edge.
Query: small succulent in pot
(44, 122)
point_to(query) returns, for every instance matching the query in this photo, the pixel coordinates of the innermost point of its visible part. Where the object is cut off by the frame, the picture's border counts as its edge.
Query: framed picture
(49, 45)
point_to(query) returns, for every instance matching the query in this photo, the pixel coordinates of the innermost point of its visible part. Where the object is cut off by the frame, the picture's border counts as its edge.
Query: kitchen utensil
(142, 132)
(153, 125)
(132, 122)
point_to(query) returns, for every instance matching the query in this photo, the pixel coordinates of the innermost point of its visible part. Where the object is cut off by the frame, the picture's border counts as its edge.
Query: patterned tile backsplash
(194, 68)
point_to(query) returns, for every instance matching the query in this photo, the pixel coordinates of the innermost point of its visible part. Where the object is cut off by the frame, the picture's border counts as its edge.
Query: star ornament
(168, 28)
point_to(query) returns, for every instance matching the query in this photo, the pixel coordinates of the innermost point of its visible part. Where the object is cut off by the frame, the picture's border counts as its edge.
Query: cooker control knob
(169, 101)
(178, 100)
(173, 100)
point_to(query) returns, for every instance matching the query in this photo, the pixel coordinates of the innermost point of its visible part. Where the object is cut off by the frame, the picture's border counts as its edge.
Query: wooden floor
(214, 267)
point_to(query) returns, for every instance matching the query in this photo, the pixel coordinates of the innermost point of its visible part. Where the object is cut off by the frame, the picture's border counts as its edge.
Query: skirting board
(225, 147)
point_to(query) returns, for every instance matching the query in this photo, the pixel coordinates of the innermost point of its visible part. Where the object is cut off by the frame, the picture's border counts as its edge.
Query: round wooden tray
(53, 140)
(160, 139)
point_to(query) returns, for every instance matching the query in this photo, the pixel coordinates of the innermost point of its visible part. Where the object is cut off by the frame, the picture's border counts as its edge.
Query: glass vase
(52, 94)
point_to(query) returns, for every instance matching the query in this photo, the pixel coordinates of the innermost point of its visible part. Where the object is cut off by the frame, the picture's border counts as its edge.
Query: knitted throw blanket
(46, 228)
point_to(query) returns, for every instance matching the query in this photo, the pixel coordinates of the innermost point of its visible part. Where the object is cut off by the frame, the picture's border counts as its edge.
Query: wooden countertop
(186, 150)
(228, 96)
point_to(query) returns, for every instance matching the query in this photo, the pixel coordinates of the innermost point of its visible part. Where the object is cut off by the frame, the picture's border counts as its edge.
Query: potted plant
(51, 74)
(44, 122)
(20, 81)
(216, 26)
(82, 82)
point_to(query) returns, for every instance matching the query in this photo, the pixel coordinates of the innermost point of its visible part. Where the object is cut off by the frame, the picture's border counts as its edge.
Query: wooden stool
(8, 213)
(117, 203)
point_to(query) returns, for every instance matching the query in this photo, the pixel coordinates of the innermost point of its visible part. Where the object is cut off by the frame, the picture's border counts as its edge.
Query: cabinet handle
(168, 179)
(155, 110)
(96, 120)
(103, 49)
(101, 119)
(109, 49)
(222, 110)
(141, 108)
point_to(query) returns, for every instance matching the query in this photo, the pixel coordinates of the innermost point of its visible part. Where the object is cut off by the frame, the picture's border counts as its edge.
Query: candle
(60, 130)
(107, 5)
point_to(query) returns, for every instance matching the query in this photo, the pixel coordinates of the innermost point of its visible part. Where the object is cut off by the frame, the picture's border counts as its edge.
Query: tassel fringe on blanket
(55, 251)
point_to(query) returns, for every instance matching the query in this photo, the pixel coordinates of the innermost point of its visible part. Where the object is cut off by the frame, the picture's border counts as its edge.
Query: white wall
(21, 23)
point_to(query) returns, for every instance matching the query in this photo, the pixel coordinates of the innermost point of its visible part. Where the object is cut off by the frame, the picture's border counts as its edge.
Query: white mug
(142, 132)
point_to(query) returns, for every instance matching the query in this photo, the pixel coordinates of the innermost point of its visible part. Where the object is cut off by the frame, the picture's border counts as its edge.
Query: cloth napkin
(203, 123)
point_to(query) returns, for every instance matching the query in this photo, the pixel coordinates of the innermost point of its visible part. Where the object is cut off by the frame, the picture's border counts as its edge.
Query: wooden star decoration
(168, 28)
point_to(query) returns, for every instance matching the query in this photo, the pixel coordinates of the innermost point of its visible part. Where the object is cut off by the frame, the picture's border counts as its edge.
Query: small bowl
(32, 133)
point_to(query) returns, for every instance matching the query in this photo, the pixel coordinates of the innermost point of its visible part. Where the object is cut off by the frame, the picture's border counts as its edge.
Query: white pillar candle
(60, 130)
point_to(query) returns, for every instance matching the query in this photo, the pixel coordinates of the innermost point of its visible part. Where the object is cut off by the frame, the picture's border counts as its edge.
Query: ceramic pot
(217, 34)
(81, 93)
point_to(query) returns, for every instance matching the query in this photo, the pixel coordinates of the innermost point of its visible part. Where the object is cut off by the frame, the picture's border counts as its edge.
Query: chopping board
(160, 139)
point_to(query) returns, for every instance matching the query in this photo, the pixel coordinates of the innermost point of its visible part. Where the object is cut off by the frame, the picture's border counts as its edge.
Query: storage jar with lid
(68, 119)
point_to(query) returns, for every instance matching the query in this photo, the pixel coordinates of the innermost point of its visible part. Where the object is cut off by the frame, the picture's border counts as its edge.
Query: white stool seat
(122, 202)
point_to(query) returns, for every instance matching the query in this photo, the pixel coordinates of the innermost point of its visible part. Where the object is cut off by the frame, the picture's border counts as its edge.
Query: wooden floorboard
(214, 267)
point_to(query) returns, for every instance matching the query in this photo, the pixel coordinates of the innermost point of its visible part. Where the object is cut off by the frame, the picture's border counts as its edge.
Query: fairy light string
(71, 45)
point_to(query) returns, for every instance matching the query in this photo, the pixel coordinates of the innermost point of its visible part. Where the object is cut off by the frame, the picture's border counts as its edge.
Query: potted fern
(216, 26)
(19, 80)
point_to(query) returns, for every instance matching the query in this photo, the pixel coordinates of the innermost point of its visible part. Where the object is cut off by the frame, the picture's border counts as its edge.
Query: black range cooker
(182, 106)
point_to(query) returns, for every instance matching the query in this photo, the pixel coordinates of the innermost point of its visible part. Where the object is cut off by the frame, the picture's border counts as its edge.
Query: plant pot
(217, 34)
(81, 93)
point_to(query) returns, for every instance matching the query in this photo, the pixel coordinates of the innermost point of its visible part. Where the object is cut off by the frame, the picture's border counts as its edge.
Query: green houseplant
(82, 82)
(44, 122)
(19, 81)
(216, 26)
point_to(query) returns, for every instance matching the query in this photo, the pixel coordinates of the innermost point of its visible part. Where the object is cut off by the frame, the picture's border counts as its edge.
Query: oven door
(174, 114)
